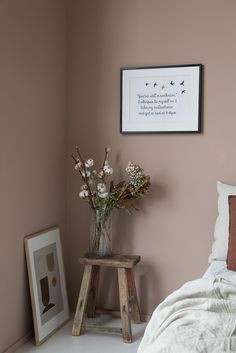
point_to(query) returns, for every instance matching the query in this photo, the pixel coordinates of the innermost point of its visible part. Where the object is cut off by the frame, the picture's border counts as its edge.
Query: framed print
(161, 99)
(47, 282)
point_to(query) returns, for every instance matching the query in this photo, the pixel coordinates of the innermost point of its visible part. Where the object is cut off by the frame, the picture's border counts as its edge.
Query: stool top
(124, 261)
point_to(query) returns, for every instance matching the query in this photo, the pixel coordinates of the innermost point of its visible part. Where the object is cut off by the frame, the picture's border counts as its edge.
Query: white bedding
(200, 317)
(217, 268)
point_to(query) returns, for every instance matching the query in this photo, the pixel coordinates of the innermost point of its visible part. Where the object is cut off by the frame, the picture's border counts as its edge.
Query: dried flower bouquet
(103, 198)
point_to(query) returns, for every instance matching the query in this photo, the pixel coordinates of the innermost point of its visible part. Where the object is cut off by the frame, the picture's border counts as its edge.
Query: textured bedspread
(200, 317)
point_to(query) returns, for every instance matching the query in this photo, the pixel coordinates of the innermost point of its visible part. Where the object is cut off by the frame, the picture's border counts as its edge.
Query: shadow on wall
(146, 272)
(146, 279)
(124, 224)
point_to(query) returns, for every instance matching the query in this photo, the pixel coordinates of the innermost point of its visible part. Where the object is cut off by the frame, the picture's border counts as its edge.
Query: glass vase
(100, 235)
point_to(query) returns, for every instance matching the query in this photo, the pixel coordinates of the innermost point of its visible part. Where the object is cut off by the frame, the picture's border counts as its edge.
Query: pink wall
(173, 232)
(32, 145)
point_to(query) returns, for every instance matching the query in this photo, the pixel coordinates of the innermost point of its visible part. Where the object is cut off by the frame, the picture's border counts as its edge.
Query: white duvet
(200, 317)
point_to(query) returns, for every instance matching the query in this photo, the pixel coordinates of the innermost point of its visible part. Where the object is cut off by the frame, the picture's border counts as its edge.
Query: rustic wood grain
(127, 293)
(124, 305)
(81, 305)
(116, 313)
(91, 305)
(123, 261)
(133, 296)
(102, 329)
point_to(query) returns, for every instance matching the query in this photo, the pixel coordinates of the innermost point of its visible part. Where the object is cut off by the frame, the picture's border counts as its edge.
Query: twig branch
(79, 155)
(74, 158)
(105, 158)
(84, 177)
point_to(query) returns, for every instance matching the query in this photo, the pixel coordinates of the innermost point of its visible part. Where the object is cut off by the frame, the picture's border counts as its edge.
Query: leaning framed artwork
(47, 282)
(162, 99)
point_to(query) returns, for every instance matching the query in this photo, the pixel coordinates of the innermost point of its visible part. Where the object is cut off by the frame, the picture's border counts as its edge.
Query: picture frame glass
(161, 99)
(47, 282)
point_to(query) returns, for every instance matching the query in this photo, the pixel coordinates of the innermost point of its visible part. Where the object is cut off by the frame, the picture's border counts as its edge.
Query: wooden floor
(63, 342)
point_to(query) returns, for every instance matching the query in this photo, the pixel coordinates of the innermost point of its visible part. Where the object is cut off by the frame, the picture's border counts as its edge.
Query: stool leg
(91, 306)
(133, 296)
(124, 305)
(81, 305)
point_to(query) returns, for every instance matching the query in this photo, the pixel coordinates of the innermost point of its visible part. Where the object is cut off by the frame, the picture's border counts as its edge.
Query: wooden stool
(127, 294)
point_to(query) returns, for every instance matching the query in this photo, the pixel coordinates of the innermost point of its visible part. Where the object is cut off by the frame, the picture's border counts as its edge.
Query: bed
(200, 317)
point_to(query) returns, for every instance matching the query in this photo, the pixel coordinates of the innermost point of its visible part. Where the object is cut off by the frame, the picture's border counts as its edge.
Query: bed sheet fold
(200, 317)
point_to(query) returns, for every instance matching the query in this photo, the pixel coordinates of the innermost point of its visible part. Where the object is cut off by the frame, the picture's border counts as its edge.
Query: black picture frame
(161, 99)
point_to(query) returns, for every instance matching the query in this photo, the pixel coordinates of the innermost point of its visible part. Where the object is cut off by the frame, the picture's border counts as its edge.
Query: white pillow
(221, 232)
(216, 268)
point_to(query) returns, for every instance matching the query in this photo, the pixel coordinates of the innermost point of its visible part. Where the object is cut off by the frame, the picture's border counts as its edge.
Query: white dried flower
(108, 169)
(103, 195)
(101, 187)
(84, 187)
(78, 165)
(85, 173)
(101, 174)
(108, 149)
(89, 163)
(83, 194)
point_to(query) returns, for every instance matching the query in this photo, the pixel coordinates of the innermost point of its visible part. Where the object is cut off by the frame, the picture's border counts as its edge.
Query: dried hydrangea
(136, 174)
(134, 170)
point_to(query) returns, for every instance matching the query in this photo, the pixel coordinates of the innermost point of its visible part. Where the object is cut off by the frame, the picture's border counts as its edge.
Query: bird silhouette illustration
(155, 84)
(172, 83)
(182, 83)
(182, 92)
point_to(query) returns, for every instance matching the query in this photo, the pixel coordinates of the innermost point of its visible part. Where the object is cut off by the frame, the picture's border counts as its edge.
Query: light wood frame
(50, 320)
